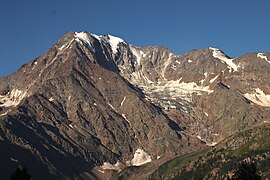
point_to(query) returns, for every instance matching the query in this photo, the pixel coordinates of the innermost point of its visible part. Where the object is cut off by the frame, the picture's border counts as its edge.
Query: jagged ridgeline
(93, 106)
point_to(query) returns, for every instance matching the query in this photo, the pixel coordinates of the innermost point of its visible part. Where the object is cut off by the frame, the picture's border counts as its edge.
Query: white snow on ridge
(262, 56)
(114, 41)
(140, 158)
(82, 36)
(96, 36)
(219, 55)
(259, 98)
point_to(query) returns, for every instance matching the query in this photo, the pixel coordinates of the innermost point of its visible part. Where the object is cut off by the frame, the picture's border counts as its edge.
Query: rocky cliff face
(97, 103)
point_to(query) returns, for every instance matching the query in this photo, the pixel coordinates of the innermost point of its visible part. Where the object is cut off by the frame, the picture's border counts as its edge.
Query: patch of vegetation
(127, 172)
(224, 160)
(171, 167)
(246, 170)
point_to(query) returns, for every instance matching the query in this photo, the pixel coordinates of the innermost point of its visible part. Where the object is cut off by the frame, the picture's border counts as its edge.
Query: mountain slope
(70, 106)
(98, 104)
(221, 161)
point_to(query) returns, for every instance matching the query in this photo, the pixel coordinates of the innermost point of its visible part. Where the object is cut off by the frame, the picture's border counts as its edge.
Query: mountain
(94, 104)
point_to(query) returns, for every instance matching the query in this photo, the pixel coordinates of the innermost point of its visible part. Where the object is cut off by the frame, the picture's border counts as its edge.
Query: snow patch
(123, 101)
(51, 99)
(205, 75)
(140, 158)
(173, 67)
(158, 157)
(108, 165)
(124, 116)
(65, 46)
(170, 105)
(111, 105)
(192, 86)
(262, 56)
(189, 61)
(259, 98)
(212, 80)
(13, 98)
(101, 171)
(70, 125)
(220, 55)
(211, 144)
(206, 114)
(143, 54)
(4, 114)
(14, 160)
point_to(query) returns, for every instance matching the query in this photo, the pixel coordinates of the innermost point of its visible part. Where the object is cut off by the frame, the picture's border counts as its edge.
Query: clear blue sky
(29, 27)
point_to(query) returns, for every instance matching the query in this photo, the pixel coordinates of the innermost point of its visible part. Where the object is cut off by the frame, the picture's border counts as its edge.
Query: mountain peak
(113, 41)
(217, 53)
(95, 99)
(88, 39)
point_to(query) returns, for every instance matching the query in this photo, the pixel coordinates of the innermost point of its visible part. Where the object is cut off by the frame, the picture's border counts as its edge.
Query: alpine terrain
(96, 107)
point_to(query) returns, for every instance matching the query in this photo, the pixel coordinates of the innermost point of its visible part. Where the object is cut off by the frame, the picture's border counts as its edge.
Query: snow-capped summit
(217, 53)
(113, 41)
